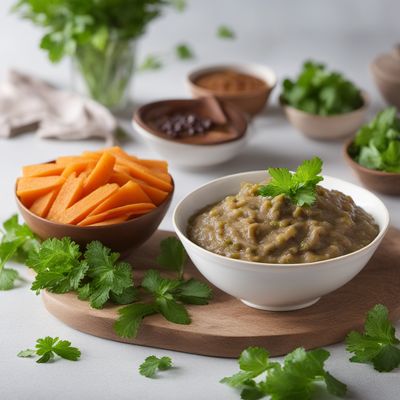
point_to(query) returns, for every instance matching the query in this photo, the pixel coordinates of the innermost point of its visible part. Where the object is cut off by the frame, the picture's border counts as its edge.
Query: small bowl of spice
(247, 86)
(192, 133)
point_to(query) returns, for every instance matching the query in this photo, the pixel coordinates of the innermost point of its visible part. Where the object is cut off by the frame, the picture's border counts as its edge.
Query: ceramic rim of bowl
(236, 262)
(353, 163)
(248, 69)
(137, 119)
(19, 202)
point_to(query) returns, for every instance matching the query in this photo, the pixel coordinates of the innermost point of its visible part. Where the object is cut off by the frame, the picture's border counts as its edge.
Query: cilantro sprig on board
(167, 296)
(378, 345)
(98, 276)
(299, 187)
(48, 347)
(17, 242)
(294, 379)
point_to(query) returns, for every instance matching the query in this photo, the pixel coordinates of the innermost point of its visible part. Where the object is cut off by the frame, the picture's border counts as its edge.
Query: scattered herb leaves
(17, 242)
(184, 52)
(377, 144)
(152, 62)
(299, 187)
(225, 32)
(294, 379)
(378, 344)
(48, 347)
(152, 363)
(319, 91)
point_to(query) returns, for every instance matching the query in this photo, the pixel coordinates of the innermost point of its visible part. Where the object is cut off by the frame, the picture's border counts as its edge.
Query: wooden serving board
(226, 326)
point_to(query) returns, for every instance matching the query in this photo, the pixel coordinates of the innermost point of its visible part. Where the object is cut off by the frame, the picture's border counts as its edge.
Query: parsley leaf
(173, 255)
(16, 243)
(131, 316)
(193, 292)
(27, 353)
(299, 187)
(163, 291)
(225, 32)
(319, 91)
(168, 296)
(294, 379)
(152, 363)
(152, 62)
(129, 295)
(109, 276)
(57, 265)
(378, 345)
(184, 51)
(48, 347)
(253, 362)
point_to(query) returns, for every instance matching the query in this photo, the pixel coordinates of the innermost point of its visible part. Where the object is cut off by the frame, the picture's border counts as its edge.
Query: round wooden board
(226, 326)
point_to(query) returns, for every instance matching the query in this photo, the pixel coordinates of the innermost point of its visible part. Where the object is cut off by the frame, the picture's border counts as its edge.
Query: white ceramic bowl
(276, 287)
(191, 155)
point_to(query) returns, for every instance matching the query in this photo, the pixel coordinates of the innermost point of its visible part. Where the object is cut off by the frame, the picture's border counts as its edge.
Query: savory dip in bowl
(250, 227)
(272, 254)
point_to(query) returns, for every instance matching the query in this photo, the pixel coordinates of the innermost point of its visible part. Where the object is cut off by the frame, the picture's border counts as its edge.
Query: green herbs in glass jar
(99, 35)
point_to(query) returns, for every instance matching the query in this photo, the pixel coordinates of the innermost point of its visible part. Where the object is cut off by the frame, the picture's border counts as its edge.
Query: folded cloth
(28, 103)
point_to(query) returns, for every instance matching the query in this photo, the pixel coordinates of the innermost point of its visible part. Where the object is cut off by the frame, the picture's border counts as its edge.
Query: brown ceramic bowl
(388, 87)
(385, 69)
(249, 102)
(379, 181)
(122, 237)
(329, 127)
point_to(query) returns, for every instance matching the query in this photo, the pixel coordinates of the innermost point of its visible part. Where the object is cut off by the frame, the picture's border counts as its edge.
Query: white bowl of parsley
(279, 286)
(323, 105)
(374, 153)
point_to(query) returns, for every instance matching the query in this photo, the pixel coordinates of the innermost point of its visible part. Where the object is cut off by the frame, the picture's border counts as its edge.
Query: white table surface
(346, 36)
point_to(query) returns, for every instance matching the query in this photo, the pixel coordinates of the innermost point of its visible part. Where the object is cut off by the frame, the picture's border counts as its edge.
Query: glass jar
(105, 75)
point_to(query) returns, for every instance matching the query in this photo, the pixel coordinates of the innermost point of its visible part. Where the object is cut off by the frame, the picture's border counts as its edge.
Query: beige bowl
(329, 127)
(388, 87)
(250, 102)
(379, 181)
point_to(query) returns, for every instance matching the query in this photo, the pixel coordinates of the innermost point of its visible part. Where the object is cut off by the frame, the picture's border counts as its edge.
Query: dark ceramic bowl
(379, 181)
(122, 237)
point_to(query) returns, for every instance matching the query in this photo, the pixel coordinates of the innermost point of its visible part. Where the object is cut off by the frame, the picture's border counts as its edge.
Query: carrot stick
(83, 207)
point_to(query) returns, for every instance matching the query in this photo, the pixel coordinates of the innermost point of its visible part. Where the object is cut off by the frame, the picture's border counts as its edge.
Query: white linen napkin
(28, 103)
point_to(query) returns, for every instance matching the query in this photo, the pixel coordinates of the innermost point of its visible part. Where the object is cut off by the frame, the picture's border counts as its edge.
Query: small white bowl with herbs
(323, 105)
(374, 153)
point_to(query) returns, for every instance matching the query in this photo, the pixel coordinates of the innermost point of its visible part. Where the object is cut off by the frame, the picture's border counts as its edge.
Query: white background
(346, 34)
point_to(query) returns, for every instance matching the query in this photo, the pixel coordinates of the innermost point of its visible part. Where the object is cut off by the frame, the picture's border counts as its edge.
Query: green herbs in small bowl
(321, 92)
(377, 144)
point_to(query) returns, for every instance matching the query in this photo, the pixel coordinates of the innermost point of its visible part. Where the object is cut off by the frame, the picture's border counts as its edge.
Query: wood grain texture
(226, 326)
